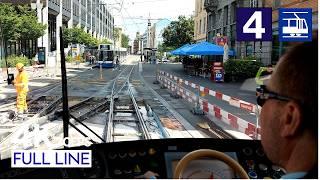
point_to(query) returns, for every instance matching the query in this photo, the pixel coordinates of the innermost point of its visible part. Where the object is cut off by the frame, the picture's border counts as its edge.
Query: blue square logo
(295, 24)
(254, 24)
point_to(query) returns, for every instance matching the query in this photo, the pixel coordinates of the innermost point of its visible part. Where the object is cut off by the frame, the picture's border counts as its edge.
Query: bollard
(157, 77)
(101, 78)
(197, 109)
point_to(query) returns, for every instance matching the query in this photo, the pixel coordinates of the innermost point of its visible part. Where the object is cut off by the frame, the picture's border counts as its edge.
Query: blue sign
(295, 24)
(254, 24)
(218, 76)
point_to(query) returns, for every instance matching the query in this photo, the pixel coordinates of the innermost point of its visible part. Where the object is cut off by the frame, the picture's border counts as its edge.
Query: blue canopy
(177, 51)
(206, 48)
(184, 50)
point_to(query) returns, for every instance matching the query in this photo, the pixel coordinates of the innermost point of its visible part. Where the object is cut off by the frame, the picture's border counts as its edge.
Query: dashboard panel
(133, 158)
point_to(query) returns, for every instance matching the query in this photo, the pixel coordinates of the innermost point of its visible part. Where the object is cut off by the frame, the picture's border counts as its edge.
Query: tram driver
(289, 129)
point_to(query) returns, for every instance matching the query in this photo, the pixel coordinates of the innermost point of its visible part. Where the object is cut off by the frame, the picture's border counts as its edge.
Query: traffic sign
(254, 24)
(295, 24)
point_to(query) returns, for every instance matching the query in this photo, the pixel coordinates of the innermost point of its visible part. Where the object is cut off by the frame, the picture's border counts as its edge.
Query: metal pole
(140, 48)
(65, 114)
(3, 56)
(101, 71)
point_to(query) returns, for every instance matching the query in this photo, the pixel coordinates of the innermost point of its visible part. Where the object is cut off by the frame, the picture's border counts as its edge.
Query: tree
(8, 22)
(105, 41)
(18, 23)
(124, 41)
(178, 33)
(78, 36)
(28, 27)
(116, 33)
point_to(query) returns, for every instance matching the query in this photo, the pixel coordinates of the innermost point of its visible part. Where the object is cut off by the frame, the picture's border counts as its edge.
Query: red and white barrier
(231, 100)
(211, 109)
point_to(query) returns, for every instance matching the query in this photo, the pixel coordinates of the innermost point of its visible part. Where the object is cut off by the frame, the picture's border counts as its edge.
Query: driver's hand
(149, 175)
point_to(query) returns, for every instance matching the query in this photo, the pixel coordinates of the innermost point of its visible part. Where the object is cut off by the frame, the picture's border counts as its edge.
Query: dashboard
(133, 158)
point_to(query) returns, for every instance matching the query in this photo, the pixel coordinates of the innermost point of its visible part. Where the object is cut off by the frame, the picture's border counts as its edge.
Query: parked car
(165, 60)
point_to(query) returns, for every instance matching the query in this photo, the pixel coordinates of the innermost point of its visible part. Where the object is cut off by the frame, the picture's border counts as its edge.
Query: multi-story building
(136, 44)
(222, 21)
(200, 22)
(278, 48)
(91, 15)
(152, 37)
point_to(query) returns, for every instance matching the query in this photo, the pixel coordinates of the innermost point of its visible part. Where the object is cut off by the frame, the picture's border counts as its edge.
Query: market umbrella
(185, 50)
(178, 50)
(205, 48)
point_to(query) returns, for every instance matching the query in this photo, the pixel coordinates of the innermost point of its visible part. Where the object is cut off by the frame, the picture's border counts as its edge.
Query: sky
(132, 15)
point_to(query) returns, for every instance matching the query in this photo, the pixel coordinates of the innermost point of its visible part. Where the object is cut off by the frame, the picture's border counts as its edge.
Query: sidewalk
(40, 77)
(229, 89)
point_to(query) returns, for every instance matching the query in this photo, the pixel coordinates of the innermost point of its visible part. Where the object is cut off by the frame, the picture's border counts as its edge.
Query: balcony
(211, 5)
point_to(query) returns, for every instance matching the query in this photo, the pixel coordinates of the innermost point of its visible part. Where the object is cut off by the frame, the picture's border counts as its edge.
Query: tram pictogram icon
(295, 24)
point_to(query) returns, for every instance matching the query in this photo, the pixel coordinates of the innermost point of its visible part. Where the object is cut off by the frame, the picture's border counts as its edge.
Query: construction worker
(263, 74)
(21, 85)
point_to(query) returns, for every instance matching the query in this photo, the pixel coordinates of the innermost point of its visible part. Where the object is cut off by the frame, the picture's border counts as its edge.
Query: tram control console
(132, 159)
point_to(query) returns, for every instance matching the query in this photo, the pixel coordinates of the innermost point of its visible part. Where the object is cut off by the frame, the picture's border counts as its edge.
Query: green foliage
(19, 23)
(239, 70)
(78, 36)
(124, 41)
(13, 60)
(9, 22)
(105, 41)
(69, 59)
(162, 48)
(178, 33)
(116, 33)
(29, 28)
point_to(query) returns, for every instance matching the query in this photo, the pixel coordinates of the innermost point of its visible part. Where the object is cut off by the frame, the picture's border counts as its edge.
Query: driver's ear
(291, 119)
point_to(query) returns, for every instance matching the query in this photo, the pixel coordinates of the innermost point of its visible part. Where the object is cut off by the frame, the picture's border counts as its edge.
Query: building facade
(278, 48)
(90, 15)
(200, 22)
(136, 44)
(221, 15)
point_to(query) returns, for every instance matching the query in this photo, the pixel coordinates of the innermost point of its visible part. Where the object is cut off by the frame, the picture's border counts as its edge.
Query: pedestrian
(118, 63)
(36, 63)
(21, 85)
(288, 118)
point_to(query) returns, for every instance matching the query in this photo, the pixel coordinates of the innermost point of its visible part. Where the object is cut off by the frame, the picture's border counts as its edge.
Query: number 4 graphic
(254, 24)
(258, 30)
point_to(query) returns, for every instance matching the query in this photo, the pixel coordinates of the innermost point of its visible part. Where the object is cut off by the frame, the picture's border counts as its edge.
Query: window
(214, 20)
(219, 18)
(233, 12)
(200, 25)
(204, 25)
(225, 15)
(253, 3)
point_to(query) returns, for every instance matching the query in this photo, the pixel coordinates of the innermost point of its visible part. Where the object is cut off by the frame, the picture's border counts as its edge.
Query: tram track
(125, 121)
(121, 114)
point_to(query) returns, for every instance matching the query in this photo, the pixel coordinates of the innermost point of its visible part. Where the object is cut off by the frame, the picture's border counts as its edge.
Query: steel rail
(140, 118)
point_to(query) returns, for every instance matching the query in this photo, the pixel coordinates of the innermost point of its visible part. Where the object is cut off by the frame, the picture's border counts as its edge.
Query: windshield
(180, 69)
(106, 55)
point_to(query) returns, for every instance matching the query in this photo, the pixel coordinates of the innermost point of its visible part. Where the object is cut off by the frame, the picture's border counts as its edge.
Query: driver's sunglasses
(265, 94)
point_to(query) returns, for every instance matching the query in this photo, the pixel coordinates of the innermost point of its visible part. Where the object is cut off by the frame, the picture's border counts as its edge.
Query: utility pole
(140, 38)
